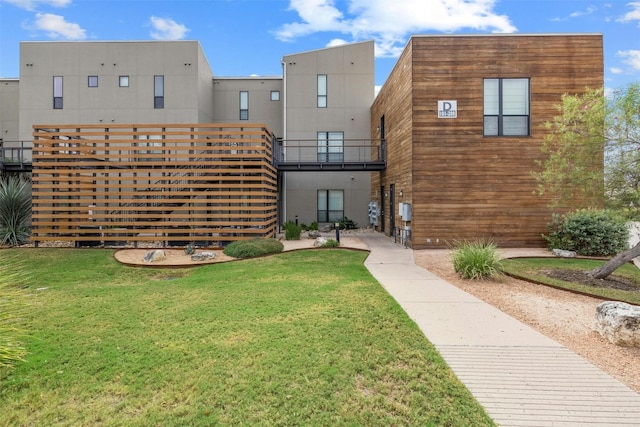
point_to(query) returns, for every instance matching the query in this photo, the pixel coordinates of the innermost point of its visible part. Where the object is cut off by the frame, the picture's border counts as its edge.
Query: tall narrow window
(57, 92)
(158, 92)
(506, 107)
(93, 81)
(330, 146)
(330, 205)
(322, 91)
(244, 105)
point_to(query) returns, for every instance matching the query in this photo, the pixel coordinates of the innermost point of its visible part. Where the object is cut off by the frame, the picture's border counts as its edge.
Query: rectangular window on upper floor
(244, 105)
(93, 81)
(275, 95)
(322, 91)
(123, 81)
(57, 92)
(330, 147)
(158, 92)
(506, 107)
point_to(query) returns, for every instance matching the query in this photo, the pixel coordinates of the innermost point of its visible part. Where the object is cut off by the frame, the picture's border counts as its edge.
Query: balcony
(309, 156)
(16, 158)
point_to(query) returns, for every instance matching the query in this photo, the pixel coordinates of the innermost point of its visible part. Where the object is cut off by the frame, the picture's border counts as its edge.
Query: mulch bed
(580, 276)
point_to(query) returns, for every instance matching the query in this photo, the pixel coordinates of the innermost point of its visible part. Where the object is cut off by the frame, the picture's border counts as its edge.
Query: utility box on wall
(404, 210)
(373, 213)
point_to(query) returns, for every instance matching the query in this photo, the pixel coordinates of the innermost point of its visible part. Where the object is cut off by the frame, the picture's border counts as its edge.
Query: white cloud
(336, 42)
(57, 28)
(390, 23)
(631, 58)
(616, 70)
(167, 29)
(33, 4)
(633, 15)
(588, 11)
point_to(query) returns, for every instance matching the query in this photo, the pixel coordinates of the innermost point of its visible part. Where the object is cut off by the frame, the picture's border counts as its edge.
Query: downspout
(284, 139)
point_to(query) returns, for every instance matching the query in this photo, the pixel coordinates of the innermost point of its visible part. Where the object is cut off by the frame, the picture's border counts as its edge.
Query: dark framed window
(158, 92)
(275, 95)
(57, 92)
(244, 105)
(93, 81)
(330, 205)
(506, 107)
(123, 81)
(330, 146)
(322, 91)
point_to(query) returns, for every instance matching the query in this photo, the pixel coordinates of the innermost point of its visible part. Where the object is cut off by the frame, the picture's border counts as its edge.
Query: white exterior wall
(350, 93)
(181, 63)
(9, 112)
(226, 101)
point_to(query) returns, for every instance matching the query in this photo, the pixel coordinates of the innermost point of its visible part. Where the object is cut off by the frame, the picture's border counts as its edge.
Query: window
(57, 92)
(506, 107)
(150, 144)
(158, 92)
(330, 205)
(123, 81)
(275, 95)
(244, 105)
(93, 81)
(330, 146)
(322, 91)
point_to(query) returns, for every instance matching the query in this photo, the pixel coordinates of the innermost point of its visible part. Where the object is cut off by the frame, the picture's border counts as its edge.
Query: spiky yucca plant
(15, 210)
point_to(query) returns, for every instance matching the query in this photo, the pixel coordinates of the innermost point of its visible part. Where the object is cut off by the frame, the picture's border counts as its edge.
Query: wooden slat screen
(208, 184)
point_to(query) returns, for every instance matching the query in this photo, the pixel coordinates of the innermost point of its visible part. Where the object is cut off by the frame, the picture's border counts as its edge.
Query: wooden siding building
(461, 117)
(207, 184)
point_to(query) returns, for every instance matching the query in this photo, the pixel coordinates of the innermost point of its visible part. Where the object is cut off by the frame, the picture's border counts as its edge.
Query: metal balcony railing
(309, 155)
(15, 156)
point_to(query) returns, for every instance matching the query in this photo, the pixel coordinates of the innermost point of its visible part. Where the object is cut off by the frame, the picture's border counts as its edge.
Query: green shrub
(476, 259)
(330, 243)
(15, 210)
(253, 248)
(588, 232)
(292, 231)
(12, 311)
(313, 226)
(348, 224)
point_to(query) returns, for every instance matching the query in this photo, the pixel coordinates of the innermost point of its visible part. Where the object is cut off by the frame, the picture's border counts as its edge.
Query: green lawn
(301, 338)
(530, 268)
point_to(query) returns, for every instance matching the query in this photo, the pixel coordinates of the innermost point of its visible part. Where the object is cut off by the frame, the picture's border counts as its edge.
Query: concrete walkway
(520, 376)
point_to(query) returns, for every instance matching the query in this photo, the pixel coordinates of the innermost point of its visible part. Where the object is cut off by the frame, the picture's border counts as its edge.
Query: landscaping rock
(325, 228)
(564, 254)
(313, 234)
(154, 256)
(203, 256)
(320, 241)
(619, 323)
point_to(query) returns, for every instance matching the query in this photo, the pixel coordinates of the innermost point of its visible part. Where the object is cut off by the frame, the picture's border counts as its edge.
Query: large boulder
(619, 323)
(564, 254)
(203, 256)
(320, 241)
(154, 256)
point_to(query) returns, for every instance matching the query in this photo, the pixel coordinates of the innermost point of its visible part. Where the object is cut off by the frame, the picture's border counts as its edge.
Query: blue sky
(249, 37)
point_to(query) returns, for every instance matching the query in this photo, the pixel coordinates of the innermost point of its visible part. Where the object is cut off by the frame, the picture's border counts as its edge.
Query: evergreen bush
(588, 232)
(253, 248)
(292, 231)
